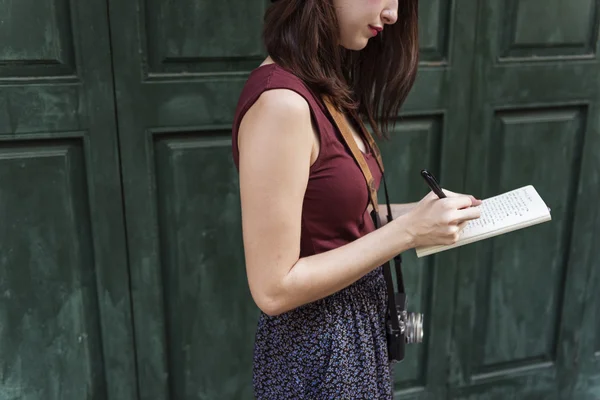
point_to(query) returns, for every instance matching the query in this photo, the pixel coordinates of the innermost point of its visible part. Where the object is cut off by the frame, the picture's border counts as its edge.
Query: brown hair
(302, 37)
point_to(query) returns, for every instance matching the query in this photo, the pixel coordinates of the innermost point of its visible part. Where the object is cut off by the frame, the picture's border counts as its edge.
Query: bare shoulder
(274, 112)
(285, 101)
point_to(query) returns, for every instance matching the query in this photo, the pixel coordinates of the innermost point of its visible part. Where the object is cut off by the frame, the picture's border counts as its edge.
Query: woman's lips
(375, 30)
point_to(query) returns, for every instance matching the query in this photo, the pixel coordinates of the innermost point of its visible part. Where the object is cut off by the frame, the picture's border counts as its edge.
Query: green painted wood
(508, 94)
(588, 380)
(597, 319)
(520, 317)
(65, 323)
(413, 138)
(430, 132)
(206, 300)
(51, 334)
(502, 98)
(179, 70)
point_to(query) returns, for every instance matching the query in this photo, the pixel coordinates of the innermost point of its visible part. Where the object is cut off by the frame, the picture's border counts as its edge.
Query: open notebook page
(500, 214)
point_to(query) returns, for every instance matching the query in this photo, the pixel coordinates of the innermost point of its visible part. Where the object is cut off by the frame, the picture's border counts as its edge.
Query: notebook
(507, 212)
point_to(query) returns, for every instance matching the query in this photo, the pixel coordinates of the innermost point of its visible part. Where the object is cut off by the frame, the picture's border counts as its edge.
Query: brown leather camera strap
(342, 125)
(370, 140)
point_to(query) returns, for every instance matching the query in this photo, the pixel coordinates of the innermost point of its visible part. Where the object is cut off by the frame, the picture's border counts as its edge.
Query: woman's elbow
(274, 300)
(272, 296)
(269, 305)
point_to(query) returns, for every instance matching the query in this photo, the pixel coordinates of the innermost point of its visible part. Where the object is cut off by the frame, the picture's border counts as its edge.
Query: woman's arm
(276, 141)
(398, 210)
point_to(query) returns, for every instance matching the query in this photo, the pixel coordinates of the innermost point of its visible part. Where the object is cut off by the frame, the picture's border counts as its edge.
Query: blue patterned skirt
(334, 348)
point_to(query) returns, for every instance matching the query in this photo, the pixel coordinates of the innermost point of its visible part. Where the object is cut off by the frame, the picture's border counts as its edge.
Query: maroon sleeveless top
(334, 212)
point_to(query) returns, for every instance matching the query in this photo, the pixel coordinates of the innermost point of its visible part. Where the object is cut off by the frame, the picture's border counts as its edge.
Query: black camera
(410, 329)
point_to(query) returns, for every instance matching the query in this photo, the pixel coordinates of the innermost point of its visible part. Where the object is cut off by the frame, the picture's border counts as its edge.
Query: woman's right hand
(435, 221)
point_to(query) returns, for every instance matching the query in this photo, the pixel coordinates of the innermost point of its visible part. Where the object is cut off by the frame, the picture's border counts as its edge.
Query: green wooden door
(508, 94)
(65, 323)
(522, 315)
(179, 69)
(503, 98)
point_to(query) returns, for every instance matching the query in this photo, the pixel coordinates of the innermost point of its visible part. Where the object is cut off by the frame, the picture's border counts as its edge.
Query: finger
(459, 202)
(462, 225)
(467, 214)
(474, 201)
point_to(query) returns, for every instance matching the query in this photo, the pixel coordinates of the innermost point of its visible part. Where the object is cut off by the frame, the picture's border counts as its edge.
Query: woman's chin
(356, 45)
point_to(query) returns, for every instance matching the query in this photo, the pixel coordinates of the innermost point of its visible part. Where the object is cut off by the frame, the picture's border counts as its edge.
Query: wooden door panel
(47, 48)
(435, 22)
(196, 36)
(209, 330)
(548, 30)
(65, 329)
(50, 336)
(519, 308)
(528, 264)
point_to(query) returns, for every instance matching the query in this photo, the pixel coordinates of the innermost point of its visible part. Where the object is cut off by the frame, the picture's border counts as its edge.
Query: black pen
(433, 183)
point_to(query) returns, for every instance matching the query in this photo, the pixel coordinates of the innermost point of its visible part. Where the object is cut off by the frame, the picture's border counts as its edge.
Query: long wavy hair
(302, 36)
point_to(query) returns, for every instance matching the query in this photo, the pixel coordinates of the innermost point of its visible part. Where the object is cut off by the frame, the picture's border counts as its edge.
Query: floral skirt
(334, 348)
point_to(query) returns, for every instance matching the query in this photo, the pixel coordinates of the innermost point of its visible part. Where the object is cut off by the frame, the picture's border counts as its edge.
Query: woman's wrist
(398, 210)
(407, 237)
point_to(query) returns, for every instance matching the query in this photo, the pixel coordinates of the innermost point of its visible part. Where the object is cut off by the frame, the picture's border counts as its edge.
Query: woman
(312, 253)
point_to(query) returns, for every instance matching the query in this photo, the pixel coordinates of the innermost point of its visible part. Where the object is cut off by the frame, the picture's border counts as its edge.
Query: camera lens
(414, 328)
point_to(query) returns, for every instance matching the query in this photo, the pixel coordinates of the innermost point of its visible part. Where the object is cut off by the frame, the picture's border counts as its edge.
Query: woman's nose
(390, 15)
